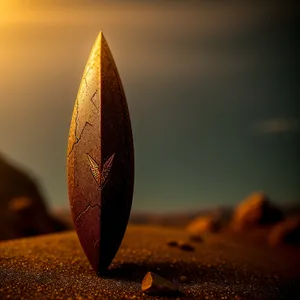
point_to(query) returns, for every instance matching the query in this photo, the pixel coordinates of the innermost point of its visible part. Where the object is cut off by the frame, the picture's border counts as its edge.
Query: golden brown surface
(100, 159)
(223, 265)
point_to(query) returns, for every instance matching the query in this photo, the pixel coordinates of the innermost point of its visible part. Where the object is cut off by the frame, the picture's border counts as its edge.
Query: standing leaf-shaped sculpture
(100, 159)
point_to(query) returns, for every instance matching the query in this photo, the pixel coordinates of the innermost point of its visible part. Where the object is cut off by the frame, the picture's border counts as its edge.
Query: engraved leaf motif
(105, 171)
(95, 169)
(100, 177)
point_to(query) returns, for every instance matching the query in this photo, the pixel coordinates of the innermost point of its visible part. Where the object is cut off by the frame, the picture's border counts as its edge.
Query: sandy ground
(223, 266)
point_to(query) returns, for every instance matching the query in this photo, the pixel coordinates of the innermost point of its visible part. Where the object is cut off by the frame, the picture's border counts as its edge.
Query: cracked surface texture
(100, 129)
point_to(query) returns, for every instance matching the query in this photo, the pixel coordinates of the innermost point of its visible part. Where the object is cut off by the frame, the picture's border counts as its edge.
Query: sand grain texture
(223, 265)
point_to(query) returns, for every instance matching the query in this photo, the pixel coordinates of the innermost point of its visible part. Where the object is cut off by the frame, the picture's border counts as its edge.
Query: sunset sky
(211, 89)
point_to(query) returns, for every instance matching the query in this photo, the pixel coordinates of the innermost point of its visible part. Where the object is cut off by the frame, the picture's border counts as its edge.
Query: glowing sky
(211, 90)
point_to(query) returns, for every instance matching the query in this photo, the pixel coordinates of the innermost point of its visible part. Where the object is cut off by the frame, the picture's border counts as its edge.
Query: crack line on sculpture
(76, 124)
(91, 99)
(86, 209)
(76, 117)
(78, 138)
(96, 243)
(77, 186)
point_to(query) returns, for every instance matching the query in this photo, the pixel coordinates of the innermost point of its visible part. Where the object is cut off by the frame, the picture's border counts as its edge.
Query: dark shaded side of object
(23, 210)
(116, 138)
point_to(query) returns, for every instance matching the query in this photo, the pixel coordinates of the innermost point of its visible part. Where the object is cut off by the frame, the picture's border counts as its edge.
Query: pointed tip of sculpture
(101, 36)
(100, 41)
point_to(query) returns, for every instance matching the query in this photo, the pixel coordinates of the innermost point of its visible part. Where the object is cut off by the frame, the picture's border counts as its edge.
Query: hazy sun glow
(6, 10)
(194, 68)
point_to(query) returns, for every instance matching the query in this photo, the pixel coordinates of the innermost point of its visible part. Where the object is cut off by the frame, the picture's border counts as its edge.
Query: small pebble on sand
(172, 243)
(196, 239)
(154, 284)
(185, 246)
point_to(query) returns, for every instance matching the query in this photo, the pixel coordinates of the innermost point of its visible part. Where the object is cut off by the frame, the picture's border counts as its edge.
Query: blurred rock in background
(255, 210)
(181, 219)
(23, 209)
(204, 224)
(24, 213)
(286, 232)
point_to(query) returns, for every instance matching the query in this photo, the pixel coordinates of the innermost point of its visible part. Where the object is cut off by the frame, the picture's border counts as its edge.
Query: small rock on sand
(185, 246)
(156, 285)
(181, 245)
(203, 224)
(172, 243)
(196, 238)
